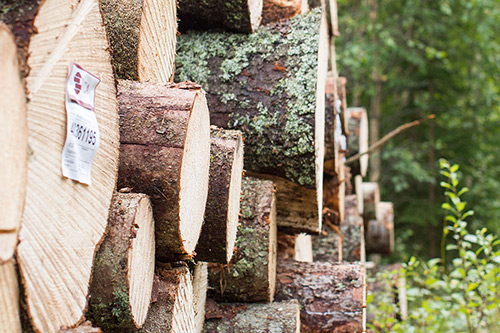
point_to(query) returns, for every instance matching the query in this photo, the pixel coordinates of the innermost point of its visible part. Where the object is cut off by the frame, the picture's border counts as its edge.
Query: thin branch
(387, 137)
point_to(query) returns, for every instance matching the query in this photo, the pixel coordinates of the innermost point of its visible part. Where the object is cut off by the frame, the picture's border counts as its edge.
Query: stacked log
(200, 285)
(358, 139)
(63, 220)
(276, 10)
(332, 296)
(255, 84)
(303, 248)
(238, 317)
(380, 232)
(216, 243)
(122, 281)
(371, 199)
(142, 35)
(251, 275)
(165, 153)
(238, 15)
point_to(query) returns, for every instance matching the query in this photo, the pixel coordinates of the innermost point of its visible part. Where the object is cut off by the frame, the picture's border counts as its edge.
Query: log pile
(166, 213)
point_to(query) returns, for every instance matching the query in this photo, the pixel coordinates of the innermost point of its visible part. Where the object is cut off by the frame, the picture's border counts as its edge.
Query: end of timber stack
(208, 187)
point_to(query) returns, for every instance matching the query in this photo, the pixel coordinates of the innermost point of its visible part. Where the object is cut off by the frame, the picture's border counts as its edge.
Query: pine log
(63, 220)
(342, 95)
(380, 232)
(333, 157)
(241, 318)
(9, 298)
(142, 34)
(352, 229)
(13, 143)
(271, 87)
(218, 234)
(251, 275)
(371, 199)
(358, 189)
(303, 248)
(332, 296)
(276, 10)
(327, 247)
(86, 327)
(200, 285)
(334, 198)
(236, 15)
(165, 153)
(358, 139)
(285, 246)
(172, 309)
(122, 280)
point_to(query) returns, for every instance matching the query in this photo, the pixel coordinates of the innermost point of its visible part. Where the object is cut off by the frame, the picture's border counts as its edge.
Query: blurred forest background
(406, 60)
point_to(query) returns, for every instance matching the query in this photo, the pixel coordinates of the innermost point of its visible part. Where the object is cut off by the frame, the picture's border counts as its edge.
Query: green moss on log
(263, 84)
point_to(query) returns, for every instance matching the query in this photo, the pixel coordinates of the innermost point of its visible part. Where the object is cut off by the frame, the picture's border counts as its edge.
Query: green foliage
(460, 294)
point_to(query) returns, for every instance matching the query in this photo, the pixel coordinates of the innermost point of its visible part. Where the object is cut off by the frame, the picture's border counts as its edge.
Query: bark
(251, 275)
(86, 327)
(332, 296)
(352, 228)
(218, 234)
(332, 148)
(172, 309)
(142, 35)
(303, 248)
(241, 318)
(342, 95)
(276, 10)
(9, 298)
(380, 232)
(122, 280)
(371, 199)
(328, 246)
(286, 246)
(334, 198)
(200, 284)
(13, 140)
(63, 221)
(271, 88)
(165, 153)
(238, 15)
(358, 139)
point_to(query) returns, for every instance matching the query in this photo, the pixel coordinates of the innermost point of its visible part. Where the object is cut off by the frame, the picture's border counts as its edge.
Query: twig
(387, 137)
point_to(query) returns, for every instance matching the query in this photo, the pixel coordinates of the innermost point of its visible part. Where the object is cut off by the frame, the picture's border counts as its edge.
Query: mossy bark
(110, 290)
(214, 238)
(235, 15)
(273, 317)
(332, 296)
(250, 276)
(265, 85)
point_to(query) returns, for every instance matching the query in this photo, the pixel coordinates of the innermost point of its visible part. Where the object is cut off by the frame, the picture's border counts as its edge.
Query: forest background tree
(440, 57)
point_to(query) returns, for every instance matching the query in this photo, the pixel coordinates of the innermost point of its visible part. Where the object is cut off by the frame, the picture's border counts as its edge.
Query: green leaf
(454, 168)
(445, 185)
(463, 190)
(467, 214)
(446, 206)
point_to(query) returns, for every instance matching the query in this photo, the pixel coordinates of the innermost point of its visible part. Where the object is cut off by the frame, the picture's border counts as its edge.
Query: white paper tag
(82, 133)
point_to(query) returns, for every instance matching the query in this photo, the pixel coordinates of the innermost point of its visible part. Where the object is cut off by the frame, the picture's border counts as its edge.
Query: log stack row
(167, 216)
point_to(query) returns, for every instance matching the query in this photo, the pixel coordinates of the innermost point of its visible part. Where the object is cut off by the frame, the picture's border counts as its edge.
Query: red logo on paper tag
(77, 79)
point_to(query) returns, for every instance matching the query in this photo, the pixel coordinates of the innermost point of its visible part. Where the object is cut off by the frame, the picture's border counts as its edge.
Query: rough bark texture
(122, 280)
(63, 221)
(242, 318)
(333, 199)
(276, 10)
(142, 34)
(286, 246)
(172, 308)
(86, 327)
(352, 228)
(328, 246)
(358, 139)
(332, 296)
(332, 148)
(13, 145)
(371, 199)
(268, 85)
(164, 135)
(9, 298)
(236, 15)
(380, 232)
(251, 275)
(200, 284)
(218, 234)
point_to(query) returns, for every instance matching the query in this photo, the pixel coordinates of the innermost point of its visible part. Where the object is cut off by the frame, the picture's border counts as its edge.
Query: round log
(371, 199)
(218, 234)
(272, 317)
(9, 298)
(352, 229)
(303, 248)
(142, 35)
(357, 120)
(236, 15)
(276, 10)
(358, 189)
(251, 275)
(13, 143)
(122, 281)
(332, 296)
(172, 310)
(200, 285)
(63, 221)
(380, 232)
(165, 153)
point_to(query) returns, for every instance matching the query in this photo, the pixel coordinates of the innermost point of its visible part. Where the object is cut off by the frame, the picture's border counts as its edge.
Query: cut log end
(371, 199)
(200, 285)
(380, 232)
(357, 121)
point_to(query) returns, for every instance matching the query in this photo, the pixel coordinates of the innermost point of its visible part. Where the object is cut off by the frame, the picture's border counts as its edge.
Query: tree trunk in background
(142, 34)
